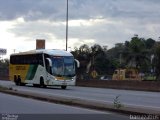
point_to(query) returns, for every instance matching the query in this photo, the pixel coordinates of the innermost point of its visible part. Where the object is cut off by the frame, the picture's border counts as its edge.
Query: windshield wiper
(58, 75)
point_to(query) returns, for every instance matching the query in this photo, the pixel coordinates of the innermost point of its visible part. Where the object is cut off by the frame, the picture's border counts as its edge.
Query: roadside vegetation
(3, 88)
(4, 66)
(139, 53)
(117, 103)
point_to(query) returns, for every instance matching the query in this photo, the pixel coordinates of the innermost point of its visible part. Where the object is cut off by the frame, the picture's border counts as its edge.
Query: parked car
(105, 77)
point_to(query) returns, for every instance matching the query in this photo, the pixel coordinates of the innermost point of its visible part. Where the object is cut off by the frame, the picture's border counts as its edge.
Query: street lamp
(67, 27)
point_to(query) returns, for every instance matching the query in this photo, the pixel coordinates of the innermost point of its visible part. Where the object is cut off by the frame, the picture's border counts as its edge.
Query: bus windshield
(63, 66)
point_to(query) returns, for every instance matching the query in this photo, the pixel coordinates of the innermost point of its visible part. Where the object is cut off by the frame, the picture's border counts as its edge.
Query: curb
(128, 110)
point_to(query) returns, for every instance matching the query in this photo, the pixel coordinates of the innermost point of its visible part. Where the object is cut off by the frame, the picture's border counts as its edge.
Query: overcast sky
(103, 22)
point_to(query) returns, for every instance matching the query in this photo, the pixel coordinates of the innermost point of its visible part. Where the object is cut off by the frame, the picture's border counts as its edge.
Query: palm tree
(135, 52)
(96, 51)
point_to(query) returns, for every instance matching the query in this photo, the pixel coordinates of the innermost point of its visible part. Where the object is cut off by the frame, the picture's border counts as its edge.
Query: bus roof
(54, 52)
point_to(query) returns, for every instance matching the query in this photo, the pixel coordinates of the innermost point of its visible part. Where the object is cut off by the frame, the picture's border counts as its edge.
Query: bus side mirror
(49, 65)
(49, 61)
(77, 63)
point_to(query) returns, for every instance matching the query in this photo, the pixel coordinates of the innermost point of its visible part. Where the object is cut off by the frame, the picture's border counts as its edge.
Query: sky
(103, 22)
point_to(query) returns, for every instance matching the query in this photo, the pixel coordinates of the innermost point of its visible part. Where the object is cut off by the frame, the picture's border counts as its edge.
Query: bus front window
(63, 66)
(69, 68)
(57, 66)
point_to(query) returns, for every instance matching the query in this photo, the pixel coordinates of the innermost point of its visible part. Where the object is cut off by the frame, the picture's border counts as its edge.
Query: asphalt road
(142, 99)
(25, 108)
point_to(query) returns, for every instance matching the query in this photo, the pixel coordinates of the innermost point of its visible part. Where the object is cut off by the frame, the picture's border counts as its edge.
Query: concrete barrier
(4, 77)
(122, 84)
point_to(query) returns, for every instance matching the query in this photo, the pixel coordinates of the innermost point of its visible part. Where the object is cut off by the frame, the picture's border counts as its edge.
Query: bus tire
(19, 81)
(15, 80)
(36, 85)
(22, 84)
(63, 86)
(42, 82)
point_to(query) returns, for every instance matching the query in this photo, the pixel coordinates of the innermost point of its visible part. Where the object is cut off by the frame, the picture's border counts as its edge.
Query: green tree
(157, 61)
(115, 55)
(97, 58)
(83, 55)
(150, 43)
(135, 52)
(4, 65)
(96, 51)
(93, 58)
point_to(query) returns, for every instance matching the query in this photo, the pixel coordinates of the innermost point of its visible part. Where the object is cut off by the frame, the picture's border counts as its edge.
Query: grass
(149, 77)
(117, 103)
(4, 88)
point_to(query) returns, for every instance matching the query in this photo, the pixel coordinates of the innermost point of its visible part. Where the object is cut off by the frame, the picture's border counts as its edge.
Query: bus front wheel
(63, 86)
(36, 85)
(42, 82)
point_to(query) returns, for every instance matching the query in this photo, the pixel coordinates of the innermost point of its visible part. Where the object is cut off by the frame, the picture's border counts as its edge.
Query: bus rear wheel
(63, 86)
(18, 81)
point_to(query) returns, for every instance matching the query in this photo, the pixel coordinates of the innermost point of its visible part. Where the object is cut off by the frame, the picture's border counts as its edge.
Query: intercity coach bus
(43, 68)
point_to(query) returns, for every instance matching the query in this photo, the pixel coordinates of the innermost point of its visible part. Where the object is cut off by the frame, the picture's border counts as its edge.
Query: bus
(43, 68)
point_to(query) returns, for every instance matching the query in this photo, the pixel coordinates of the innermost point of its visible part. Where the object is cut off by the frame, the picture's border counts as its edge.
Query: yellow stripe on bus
(18, 70)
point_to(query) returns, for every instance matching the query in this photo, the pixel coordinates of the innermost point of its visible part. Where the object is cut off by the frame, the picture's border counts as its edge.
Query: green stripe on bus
(31, 72)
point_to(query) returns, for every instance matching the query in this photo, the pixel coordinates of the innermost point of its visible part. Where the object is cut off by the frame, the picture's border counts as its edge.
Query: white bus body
(43, 68)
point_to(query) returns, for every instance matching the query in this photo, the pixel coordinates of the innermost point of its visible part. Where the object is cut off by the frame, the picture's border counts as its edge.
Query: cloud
(31, 9)
(105, 22)
(78, 9)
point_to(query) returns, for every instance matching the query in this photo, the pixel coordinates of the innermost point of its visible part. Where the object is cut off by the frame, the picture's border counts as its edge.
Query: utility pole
(67, 27)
